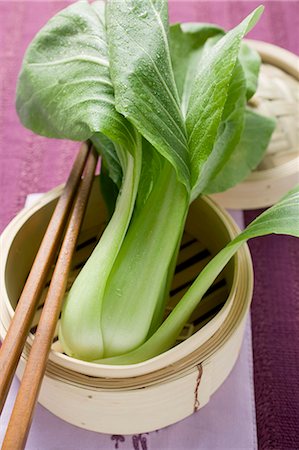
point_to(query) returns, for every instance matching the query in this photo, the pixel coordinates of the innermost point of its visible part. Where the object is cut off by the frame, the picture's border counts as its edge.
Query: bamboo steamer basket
(277, 96)
(165, 389)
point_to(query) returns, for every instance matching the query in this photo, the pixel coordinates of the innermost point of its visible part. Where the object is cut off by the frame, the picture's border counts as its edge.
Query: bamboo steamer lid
(277, 96)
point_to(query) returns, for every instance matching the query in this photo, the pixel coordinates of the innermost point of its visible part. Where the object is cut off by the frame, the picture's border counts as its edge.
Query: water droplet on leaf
(143, 15)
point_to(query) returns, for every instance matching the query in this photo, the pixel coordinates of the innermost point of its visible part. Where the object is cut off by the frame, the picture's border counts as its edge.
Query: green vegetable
(251, 62)
(167, 132)
(282, 218)
(245, 156)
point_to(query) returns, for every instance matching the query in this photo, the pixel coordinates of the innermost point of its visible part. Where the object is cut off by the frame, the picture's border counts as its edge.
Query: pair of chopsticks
(66, 219)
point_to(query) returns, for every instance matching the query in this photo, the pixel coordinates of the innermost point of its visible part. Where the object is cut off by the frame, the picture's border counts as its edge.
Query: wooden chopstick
(20, 421)
(14, 341)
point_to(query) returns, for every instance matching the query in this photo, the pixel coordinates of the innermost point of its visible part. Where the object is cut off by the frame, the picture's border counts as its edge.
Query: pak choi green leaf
(251, 62)
(246, 155)
(187, 42)
(64, 88)
(145, 89)
(209, 93)
(110, 157)
(229, 131)
(282, 218)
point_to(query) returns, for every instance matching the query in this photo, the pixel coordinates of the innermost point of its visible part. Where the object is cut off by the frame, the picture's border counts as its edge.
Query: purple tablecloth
(30, 163)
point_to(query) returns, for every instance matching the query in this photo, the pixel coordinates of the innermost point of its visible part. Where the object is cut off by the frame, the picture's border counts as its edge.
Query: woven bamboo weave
(277, 96)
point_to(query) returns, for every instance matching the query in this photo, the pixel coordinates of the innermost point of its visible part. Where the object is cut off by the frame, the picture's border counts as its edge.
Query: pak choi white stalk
(282, 218)
(80, 329)
(138, 276)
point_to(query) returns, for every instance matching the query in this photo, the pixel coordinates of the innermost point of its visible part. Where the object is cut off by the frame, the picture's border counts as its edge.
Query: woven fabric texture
(275, 334)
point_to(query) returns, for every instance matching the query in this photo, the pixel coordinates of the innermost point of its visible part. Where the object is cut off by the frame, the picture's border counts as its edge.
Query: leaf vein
(91, 59)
